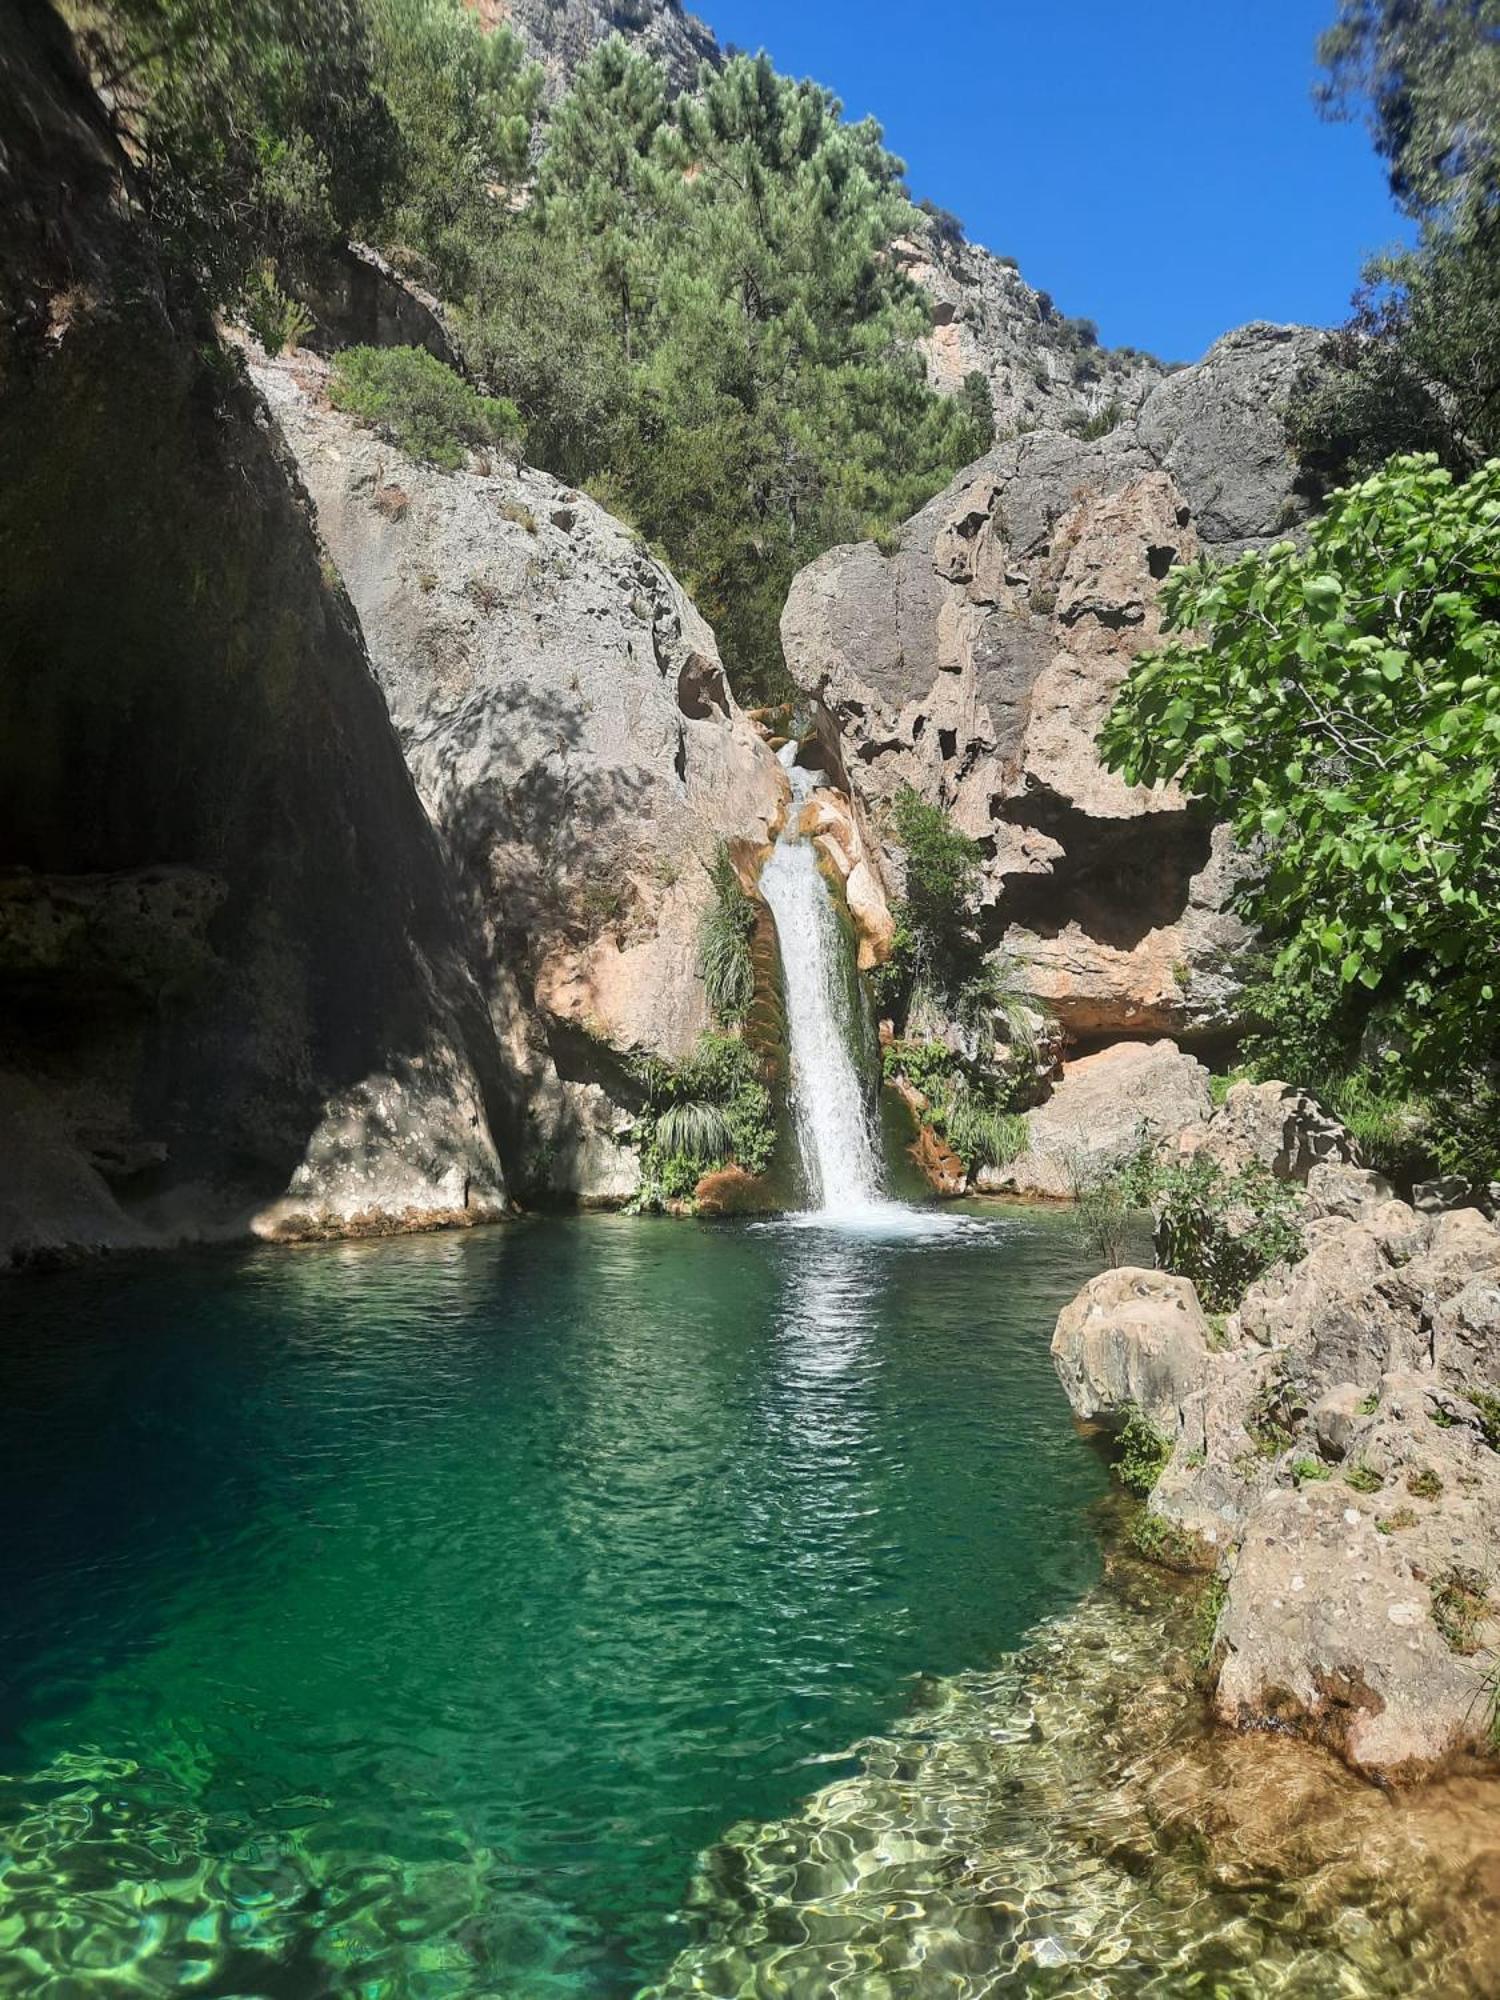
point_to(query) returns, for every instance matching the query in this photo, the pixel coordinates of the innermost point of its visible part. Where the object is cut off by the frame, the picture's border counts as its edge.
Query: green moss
(1305, 1470)
(1363, 1478)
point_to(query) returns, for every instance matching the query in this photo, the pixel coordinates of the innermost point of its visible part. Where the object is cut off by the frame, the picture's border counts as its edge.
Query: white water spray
(834, 1132)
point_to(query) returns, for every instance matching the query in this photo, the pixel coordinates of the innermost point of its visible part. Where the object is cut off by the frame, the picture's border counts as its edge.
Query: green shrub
(1363, 1478)
(927, 1066)
(1335, 699)
(695, 1131)
(1223, 1231)
(1143, 1453)
(703, 1113)
(724, 940)
(1305, 1470)
(1104, 420)
(422, 406)
(276, 320)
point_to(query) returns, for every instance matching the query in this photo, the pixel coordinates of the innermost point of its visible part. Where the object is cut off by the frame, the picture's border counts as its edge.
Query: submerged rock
(1061, 1823)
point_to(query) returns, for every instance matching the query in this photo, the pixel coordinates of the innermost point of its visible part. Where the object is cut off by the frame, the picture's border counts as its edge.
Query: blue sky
(1155, 164)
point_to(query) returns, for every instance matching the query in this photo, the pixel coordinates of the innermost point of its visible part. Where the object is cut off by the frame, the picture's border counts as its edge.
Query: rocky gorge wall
(977, 659)
(567, 721)
(235, 989)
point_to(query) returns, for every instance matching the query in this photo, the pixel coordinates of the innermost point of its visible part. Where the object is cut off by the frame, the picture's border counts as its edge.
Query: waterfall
(834, 1133)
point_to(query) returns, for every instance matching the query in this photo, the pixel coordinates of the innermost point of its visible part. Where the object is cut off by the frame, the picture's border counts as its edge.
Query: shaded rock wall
(977, 661)
(233, 986)
(567, 721)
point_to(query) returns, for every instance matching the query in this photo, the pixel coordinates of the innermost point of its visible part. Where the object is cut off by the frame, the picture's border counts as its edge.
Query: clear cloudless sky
(1157, 165)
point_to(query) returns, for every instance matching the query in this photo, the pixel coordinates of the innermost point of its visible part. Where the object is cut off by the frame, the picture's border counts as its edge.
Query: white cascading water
(834, 1134)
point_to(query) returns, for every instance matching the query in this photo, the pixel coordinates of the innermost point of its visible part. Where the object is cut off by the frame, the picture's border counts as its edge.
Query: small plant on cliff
(1144, 1451)
(421, 405)
(1487, 1408)
(1460, 1606)
(724, 939)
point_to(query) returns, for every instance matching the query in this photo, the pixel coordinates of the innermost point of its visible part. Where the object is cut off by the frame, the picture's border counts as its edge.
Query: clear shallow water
(405, 1618)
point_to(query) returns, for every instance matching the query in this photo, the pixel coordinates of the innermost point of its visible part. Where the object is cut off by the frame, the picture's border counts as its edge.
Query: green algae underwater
(407, 1617)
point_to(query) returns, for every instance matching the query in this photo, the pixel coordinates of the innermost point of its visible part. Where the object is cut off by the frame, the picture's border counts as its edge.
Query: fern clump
(724, 938)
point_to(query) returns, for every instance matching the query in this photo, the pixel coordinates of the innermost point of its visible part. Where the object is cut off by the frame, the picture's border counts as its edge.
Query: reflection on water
(404, 1618)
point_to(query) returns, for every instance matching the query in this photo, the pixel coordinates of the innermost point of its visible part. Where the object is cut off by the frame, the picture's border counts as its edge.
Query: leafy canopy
(1341, 704)
(1416, 367)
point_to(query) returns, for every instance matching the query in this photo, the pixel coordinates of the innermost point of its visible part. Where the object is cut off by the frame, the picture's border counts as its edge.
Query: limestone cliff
(1044, 371)
(567, 721)
(560, 34)
(977, 660)
(234, 990)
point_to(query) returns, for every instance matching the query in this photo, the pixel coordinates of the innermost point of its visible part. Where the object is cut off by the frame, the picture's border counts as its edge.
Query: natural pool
(404, 1618)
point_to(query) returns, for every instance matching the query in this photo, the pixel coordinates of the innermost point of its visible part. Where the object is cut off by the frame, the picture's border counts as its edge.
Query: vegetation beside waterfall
(724, 940)
(712, 1110)
(946, 994)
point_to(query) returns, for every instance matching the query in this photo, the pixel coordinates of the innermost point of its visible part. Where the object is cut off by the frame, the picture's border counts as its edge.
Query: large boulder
(1278, 1126)
(235, 983)
(567, 721)
(1132, 1339)
(1332, 1628)
(1100, 1111)
(976, 661)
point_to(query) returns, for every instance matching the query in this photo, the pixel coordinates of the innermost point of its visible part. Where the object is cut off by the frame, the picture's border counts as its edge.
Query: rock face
(1340, 1458)
(233, 983)
(1043, 371)
(566, 718)
(977, 661)
(560, 34)
(1101, 1108)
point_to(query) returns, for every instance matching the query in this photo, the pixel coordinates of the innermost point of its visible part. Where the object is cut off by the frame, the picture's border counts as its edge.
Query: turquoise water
(404, 1618)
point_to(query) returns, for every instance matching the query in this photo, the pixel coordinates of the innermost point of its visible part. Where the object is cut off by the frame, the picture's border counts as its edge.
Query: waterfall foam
(835, 1135)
